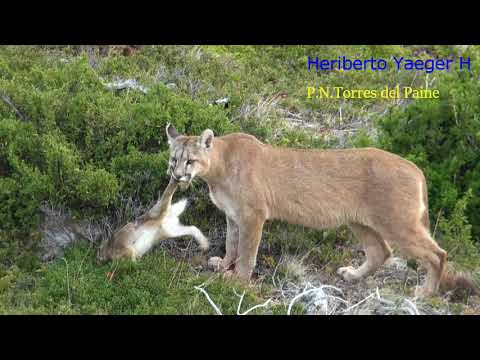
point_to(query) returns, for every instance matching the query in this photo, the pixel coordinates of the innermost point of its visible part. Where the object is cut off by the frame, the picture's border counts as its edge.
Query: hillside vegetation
(98, 156)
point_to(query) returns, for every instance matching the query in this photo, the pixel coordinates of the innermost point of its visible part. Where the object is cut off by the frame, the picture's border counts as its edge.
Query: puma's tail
(458, 282)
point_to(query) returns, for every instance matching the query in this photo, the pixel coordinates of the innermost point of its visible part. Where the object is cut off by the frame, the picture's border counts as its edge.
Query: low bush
(442, 136)
(68, 139)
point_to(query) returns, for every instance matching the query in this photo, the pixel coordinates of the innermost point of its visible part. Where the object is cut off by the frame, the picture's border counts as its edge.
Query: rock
(223, 101)
(126, 84)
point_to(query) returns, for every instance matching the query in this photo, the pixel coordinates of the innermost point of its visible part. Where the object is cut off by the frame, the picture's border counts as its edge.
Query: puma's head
(189, 155)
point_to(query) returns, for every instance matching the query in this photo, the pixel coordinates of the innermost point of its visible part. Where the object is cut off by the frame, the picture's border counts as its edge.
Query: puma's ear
(172, 133)
(206, 139)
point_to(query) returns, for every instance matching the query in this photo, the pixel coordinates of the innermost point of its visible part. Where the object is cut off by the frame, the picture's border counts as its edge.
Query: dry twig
(252, 308)
(215, 307)
(10, 103)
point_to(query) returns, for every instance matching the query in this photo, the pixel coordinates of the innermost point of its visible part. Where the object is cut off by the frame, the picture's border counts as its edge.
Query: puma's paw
(242, 275)
(229, 274)
(215, 263)
(348, 273)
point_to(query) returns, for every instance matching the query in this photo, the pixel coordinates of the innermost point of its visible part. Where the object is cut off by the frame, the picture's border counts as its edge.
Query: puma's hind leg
(420, 245)
(376, 250)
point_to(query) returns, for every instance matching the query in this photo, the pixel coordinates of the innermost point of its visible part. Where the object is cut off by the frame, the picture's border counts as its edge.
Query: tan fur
(381, 196)
(460, 284)
(158, 224)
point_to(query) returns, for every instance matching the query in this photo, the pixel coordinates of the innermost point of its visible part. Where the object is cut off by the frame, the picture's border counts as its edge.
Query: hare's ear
(206, 139)
(172, 133)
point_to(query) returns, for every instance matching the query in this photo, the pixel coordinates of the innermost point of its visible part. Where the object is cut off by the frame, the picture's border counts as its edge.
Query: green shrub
(442, 136)
(454, 235)
(78, 144)
(22, 185)
(141, 174)
(96, 187)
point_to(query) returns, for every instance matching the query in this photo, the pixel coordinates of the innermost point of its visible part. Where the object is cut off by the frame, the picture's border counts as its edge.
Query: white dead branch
(215, 307)
(303, 293)
(218, 311)
(411, 307)
(320, 299)
(359, 303)
(388, 306)
(266, 303)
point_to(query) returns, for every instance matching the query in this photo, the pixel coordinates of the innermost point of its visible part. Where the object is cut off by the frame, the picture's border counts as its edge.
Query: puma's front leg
(231, 245)
(250, 235)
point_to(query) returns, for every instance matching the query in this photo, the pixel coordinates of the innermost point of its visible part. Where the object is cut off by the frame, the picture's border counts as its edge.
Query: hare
(160, 223)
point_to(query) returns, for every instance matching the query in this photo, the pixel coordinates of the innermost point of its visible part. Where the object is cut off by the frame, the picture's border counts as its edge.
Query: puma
(380, 196)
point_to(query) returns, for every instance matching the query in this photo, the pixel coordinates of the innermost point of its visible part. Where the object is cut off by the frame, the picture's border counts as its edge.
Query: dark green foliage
(455, 236)
(22, 185)
(443, 138)
(80, 145)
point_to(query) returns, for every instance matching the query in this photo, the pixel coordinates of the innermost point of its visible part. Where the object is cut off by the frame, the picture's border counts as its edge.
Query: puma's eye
(190, 162)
